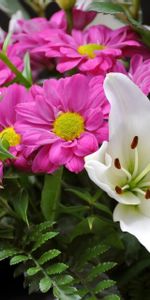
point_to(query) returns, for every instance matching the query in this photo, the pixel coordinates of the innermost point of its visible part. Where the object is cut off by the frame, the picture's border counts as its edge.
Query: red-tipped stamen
(134, 142)
(117, 163)
(118, 190)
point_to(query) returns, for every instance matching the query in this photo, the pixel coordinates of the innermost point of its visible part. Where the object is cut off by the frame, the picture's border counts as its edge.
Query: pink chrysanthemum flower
(71, 124)
(29, 35)
(9, 98)
(6, 75)
(139, 72)
(93, 50)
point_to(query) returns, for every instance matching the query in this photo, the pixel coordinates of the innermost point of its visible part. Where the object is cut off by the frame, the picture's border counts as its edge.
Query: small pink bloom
(6, 75)
(10, 97)
(94, 50)
(71, 124)
(139, 72)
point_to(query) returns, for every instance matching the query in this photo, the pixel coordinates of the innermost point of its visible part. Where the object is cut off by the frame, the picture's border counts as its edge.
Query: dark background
(12, 289)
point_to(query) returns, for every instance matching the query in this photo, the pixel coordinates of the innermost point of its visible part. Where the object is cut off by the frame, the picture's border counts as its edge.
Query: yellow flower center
(89, 49)
(10, 135)
(68, 126)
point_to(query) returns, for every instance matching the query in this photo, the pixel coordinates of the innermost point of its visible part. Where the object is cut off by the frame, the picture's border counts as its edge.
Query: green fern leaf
(91, 253)
(104, 284)
(99, 269)
(45, 284)
(32, 271)
(7, 253)
(43, 226)
(18, 259)
(56, 268)
(61, 295)
(48, 256)
(64, 279)
(43, 239)
(112, 297)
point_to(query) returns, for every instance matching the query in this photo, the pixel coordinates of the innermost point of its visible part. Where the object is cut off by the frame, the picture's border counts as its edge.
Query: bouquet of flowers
(74, 159)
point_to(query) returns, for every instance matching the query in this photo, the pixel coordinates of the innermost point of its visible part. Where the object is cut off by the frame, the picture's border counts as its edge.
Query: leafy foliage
(91, 274)
(40, 271)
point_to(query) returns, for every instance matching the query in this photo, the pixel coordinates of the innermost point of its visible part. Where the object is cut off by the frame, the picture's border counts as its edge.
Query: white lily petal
(145, 207)
(82, 4)
(100, 169)
(132, 220)
(128, 104)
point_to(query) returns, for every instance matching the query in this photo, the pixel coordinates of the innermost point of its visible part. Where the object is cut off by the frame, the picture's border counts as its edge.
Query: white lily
(121, 167)
(82, 4)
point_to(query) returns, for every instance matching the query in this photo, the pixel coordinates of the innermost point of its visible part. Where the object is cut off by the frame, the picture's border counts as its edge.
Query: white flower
(121, 167)
(83, 4)
(13, 24)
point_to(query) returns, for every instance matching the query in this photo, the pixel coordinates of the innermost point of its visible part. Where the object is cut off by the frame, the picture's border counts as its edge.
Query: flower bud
(66, 4)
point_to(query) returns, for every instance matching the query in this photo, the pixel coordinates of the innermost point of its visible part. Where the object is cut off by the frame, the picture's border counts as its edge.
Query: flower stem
(13, 68)
(135, 9)
(69, 20)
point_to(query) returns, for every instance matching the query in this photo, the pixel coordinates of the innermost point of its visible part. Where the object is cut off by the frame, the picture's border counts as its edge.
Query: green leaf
(64, 279)
(61, 295)
(11, 7)
(7, 42)
(45, 284)
(112, 297)
(21, 206)
(48, 256)
(7, 253)
(18, 259)
(92, 253)
(32, 271)
(142, 30)
(56, 268)
(50, 195)
(100, 268)
(105, 7)
(84, 195)
(104, 284)
(4, 153)
(27, 73)
(43, 239)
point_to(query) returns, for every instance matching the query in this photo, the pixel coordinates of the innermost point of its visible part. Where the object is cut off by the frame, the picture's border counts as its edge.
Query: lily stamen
(147, 194)
(118, 166)
(134, 142)
(117, 163)
(141, 175)
(118, 190)
(136, 163)
(138, 190)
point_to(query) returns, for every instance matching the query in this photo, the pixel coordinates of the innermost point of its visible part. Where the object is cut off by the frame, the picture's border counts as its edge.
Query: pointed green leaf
(50, 195)
(56, 268)
(105, 7)
(48, 256)
(32, 271)
(18, 259)
(43, 239)
(11, 7)
(45, 284)
(102, 285)
(99, 269)
(7, 253)
(4, 153)
(27, 73)
(21, 206)
(112, 297)
(64, 279)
